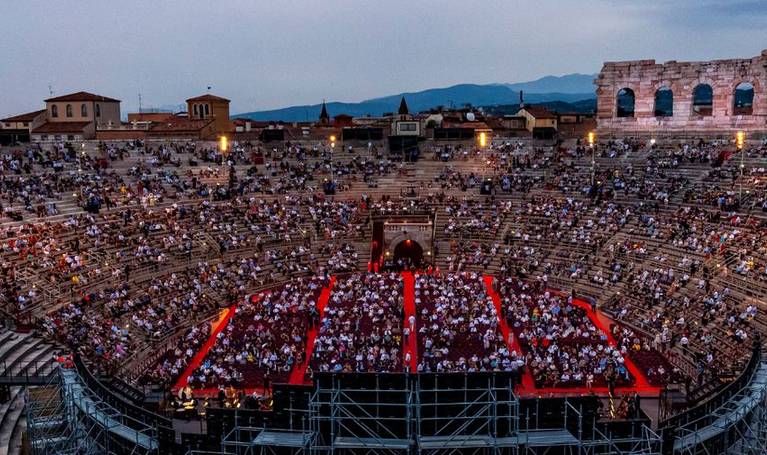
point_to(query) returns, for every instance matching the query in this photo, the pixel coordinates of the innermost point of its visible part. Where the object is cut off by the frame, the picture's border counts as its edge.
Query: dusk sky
(269, 54)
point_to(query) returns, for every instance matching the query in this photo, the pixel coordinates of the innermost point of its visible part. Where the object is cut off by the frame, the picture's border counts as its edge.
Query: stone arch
(410, 251)
(664, 101)
(625, 102)
(743, 95)
(703, 100)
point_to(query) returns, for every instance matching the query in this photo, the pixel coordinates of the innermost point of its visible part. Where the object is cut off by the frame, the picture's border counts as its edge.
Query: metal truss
(737, 426)
(362, 420)
(66, 417)
(432, 417)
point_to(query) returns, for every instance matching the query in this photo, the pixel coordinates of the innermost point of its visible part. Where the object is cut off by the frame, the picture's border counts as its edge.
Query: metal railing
(36, 372)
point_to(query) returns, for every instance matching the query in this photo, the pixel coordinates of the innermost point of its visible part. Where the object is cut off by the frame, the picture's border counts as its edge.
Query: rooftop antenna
(521, 99)
(50, 90)
(139, 103)
(209, 89)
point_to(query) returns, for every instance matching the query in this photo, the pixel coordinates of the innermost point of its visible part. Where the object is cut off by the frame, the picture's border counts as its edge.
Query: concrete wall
(645, 77)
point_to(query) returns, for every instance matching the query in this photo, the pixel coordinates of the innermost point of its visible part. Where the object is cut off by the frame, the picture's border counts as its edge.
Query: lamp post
(223, 146)
(593, 157)
(740, 140)
(332, 149)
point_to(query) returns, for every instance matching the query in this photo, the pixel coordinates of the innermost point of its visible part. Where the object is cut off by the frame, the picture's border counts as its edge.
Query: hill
(552, 88)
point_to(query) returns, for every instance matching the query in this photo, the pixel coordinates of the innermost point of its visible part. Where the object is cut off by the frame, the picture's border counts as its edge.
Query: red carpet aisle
(528, 385)
(641, 381)
(412, 342)
(299, 371)
(219, 325)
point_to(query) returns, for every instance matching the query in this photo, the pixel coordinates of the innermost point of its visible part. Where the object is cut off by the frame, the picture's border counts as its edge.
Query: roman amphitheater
(334, 292)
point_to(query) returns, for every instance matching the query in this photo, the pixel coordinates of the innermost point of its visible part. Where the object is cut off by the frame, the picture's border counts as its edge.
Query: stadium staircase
(25, 361)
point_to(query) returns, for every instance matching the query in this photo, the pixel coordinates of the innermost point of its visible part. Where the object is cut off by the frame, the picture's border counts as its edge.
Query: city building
(76, 116)
(18, 127)
(541, 122)
(210, 107)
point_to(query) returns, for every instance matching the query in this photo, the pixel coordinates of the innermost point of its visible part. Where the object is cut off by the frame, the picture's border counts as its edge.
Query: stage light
(333, 138)
(591, 138)
(740, 139)
(482, 139)
(223, 143)
(652, 141)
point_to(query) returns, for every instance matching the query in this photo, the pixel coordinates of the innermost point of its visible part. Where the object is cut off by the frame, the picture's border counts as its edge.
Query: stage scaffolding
(736, 425)
(441, 414)
(66, 417)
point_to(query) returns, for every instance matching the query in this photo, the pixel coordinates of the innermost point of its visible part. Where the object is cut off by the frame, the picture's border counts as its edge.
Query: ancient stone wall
(645, 77)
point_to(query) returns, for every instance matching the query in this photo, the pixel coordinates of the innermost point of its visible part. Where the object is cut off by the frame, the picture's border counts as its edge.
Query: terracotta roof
(82, 96)
(207, 97)
(539, 112)
(177, 124)
(61, 127)
(465, 125)
(28, 117)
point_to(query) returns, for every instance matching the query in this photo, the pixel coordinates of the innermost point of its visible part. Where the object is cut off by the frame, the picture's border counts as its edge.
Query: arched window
(703, 100)
(743, 99)
(98, 110)
(207, 110)
(69, 110)
(83, 110)
(625, 103)
(196, 109)
(54, 111)
(664, 102)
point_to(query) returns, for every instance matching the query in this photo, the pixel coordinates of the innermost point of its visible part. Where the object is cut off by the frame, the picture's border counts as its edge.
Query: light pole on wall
(591, 138)
(332, 148)
(740, 140)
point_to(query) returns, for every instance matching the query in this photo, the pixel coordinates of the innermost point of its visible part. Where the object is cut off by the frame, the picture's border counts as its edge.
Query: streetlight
(740, 140)
(332, 149)
(223, 146)
(483, 139)
(591, 138)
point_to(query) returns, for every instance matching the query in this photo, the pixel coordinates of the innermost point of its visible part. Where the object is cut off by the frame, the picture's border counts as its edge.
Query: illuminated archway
(408, 253)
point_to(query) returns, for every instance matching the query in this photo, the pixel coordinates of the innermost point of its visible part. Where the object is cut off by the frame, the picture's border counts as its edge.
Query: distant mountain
(570, 83)
(551, 88)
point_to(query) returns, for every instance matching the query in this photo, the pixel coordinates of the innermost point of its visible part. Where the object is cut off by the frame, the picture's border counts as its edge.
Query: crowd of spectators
(458, 326)
(127, 244)
(362, 326)
(563, 346)
(264, 340)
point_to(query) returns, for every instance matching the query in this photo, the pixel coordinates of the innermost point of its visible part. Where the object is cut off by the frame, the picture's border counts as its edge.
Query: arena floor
(527, 388)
